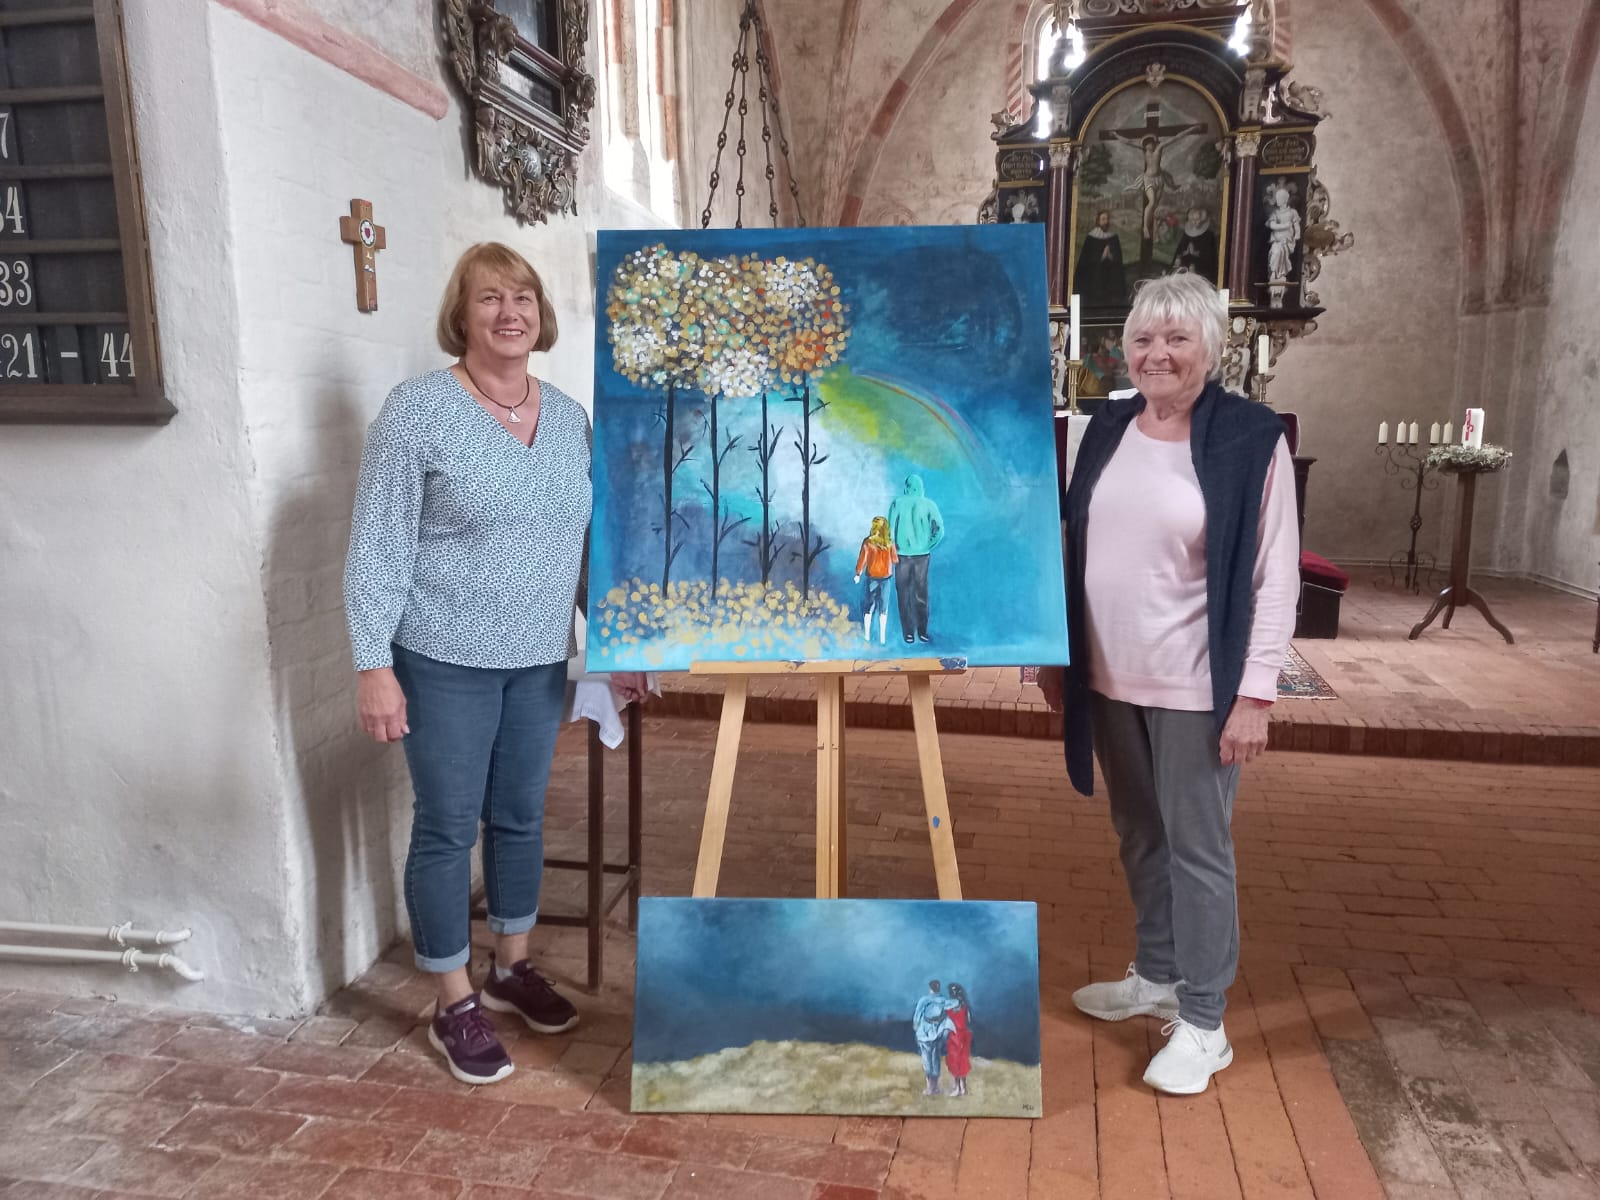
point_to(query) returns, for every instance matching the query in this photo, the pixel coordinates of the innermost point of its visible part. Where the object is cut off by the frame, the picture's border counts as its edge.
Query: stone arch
(1558, 159)
(864, 163)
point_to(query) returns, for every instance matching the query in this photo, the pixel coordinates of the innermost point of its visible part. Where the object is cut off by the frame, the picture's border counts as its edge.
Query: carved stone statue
(1283, 239)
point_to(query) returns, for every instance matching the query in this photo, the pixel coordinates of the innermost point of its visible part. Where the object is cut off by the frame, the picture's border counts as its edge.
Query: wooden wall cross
(368, 239)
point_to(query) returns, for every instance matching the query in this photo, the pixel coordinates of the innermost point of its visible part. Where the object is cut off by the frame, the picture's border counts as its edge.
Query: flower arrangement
(1468, 460)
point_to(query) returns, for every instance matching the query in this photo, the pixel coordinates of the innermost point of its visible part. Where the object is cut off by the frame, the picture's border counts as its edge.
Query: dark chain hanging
(750, 25)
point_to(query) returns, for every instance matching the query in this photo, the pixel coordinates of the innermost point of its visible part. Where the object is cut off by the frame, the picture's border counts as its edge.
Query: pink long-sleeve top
(1145, 578)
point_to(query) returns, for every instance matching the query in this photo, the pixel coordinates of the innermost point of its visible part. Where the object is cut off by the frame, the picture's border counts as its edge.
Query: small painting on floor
(883, 1007)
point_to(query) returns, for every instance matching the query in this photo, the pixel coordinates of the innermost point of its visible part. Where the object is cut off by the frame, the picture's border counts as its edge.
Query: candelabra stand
(1417, 477)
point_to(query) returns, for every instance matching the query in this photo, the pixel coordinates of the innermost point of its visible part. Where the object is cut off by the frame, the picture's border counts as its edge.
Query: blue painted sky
(719, 973)
(946, 374)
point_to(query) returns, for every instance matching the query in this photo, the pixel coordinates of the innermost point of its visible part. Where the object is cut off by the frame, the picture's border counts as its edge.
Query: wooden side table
(597, 905)
(1458, 591)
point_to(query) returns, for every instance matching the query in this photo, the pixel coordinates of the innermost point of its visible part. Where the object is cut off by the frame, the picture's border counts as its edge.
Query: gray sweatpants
(1172, 807)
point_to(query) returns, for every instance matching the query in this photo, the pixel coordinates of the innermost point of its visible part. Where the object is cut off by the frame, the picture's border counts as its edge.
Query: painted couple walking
(943, 1025)
(899, 545)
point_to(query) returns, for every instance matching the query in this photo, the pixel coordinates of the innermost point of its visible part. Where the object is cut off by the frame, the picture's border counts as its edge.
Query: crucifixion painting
(1151, 184)
(1150, 174)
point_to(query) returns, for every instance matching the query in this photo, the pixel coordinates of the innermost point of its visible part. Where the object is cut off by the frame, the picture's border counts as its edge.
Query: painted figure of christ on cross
(1152, 138)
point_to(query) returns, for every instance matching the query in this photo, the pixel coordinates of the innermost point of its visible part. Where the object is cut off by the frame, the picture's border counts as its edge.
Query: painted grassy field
(816, 1077)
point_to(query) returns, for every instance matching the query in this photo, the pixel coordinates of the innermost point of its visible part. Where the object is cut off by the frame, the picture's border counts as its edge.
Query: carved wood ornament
(530, 103)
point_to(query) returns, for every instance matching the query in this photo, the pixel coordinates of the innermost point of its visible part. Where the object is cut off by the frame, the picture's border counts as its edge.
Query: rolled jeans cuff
(441, 966)
(509, 925)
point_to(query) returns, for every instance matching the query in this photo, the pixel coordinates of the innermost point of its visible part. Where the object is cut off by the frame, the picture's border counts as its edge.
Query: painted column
(1242, 222)
(1058, 222)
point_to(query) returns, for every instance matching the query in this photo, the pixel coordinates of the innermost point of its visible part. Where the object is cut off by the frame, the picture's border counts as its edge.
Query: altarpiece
(1166, 136)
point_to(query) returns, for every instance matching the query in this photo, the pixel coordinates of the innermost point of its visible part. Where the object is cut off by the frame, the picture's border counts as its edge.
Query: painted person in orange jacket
(878, 557)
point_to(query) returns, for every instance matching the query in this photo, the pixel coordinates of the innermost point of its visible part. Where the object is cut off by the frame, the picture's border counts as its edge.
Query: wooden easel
(831, 811)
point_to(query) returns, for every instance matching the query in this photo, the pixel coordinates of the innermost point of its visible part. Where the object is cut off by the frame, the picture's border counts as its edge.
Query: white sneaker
(1131, 996)
(1185, 1065)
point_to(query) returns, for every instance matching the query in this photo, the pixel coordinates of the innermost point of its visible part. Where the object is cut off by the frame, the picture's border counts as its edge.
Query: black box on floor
(1318, 615)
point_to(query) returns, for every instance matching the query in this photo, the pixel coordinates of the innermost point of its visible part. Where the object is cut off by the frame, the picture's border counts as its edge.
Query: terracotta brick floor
(1458, 693)
(1418, 1013)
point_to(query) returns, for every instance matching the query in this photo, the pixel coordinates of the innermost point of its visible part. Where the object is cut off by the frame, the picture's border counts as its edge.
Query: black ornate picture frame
(521, 66)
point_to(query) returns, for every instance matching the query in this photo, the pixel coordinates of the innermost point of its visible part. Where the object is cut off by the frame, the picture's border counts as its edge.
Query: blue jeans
(480, 748)
(872, 595)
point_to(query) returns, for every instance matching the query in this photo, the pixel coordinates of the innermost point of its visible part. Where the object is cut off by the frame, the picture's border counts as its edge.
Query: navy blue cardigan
(1232, 441)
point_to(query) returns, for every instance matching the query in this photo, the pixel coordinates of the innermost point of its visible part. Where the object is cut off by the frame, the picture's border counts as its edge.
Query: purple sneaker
(529, 994)
(462, 1034)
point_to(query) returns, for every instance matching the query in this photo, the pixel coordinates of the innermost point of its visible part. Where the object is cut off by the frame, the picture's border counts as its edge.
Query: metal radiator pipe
(132, 959)
(120, 934)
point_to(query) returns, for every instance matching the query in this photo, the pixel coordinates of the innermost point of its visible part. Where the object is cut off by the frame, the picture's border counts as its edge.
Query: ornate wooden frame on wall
(530, 103)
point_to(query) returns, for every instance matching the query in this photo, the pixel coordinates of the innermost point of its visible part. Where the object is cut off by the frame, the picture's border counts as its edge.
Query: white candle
(1383, 433)
(1433, 434)
(1263, 349)
(1472, 428)
(1449, 433)
(1413, 438)
(1224, 292)
(1075, 355)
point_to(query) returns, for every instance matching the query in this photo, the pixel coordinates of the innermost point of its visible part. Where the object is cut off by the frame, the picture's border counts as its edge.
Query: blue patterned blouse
(466, 546)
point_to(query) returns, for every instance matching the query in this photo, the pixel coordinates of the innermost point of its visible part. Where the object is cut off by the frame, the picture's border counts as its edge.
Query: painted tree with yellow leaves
(657, 307)
(737, 361)
(814, 331)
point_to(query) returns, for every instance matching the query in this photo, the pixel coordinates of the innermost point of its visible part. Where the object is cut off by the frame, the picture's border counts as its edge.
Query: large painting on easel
(823, 445)
(888, 1007)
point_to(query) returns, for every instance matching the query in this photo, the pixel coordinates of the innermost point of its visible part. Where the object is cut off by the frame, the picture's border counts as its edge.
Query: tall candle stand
(1415, 476)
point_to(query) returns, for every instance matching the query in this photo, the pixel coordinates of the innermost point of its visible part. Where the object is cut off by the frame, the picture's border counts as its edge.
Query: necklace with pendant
(511, 409)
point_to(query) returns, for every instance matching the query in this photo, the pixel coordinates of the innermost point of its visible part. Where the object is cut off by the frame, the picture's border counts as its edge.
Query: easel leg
(933, 794)
(830, 787)
(722, 765)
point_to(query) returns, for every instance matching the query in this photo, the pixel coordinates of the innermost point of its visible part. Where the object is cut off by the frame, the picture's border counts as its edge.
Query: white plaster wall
(179, 741)
(405, 30)
(1386, 349)
(313, 373)
(1562, 540)
(137, 773)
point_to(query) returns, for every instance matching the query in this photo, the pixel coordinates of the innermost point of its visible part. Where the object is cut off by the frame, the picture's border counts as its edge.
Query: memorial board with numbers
(77, 315)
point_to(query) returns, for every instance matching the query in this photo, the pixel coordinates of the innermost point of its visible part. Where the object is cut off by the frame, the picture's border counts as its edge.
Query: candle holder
(1416, 475)
(1074, 366)
(1258, 386)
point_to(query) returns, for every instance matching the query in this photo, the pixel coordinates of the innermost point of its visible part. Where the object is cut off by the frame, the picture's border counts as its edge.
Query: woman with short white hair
(1182, 573)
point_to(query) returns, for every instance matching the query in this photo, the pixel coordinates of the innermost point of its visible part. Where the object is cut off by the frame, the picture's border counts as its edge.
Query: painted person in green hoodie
(917, 527)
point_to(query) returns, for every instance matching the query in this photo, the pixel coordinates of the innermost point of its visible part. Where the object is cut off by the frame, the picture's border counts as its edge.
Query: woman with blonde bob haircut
(464, 573)
(491, 260)
(1183, 557)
